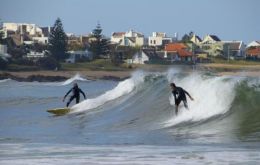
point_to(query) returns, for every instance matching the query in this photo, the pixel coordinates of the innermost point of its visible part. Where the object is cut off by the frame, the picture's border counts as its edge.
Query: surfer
(76, 94)
(179, 95)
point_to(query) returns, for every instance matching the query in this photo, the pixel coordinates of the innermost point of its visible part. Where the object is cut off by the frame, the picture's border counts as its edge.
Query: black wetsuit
(179, 95)
(76, 94)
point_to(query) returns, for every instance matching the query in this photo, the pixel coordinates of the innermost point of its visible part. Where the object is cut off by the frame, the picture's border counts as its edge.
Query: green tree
(3, 64)
(58, 41)
(48, 63)
(1, 37)
(99, 45)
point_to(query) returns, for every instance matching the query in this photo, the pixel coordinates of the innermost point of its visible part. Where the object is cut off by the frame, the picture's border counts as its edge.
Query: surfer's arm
(67, 94)
(188, 94)
(82, 93)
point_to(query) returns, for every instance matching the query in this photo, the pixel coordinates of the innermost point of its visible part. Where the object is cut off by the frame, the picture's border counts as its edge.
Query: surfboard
(59, 111)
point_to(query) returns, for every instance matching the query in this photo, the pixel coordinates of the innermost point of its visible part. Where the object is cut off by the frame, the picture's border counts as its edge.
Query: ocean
(133, 121)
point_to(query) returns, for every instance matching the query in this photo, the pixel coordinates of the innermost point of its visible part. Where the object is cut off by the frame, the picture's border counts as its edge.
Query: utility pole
(228, 53)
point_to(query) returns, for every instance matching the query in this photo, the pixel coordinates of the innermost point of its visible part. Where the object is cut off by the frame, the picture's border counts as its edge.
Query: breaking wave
(77, 77)
(5, 80)
(123, 88)
(147, 101)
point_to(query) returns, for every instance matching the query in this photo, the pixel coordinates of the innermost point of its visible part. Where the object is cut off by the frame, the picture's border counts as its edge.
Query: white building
(35, 55)
(3, 52)
(41, 40)
(210, 39)
(234, 49)
(253, 44)
(196, 39)
(159, 39)
(130, 38)
(76, 55)
(22, 28)
(117, 37)
(140, 57)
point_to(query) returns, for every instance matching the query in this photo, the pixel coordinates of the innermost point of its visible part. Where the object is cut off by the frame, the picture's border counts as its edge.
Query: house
(234, 49)
(140, 57)
(75, 56)
(212, 45)
(73, 39)
(130, 38)
(253, 53)
(177, 52)
(35, 55)
(254, 44)
(3, 52)
(159, 39)
(46, 31)
(41, 40)
(23, 28)
(144, 56)
(30, 33)
(117, 37)
(210, 39)
(196, 39)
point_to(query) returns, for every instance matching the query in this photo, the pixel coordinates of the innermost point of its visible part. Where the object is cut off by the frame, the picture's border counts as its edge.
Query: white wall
(10, 26)
(155, 41)
(42, 40)
(3, 49)
(140, 58)
(32, 29)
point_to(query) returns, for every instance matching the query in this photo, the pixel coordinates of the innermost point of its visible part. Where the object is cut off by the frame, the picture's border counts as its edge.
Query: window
(154, 41)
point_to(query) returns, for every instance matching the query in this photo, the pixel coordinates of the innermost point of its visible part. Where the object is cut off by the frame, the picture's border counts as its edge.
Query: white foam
(77, 77)
(123, 88)
(5, 80)
(213, 96)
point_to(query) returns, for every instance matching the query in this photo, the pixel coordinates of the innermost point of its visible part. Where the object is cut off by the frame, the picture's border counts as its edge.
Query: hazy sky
(228, 19)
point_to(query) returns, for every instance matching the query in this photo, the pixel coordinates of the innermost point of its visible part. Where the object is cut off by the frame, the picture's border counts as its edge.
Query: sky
(228, 19)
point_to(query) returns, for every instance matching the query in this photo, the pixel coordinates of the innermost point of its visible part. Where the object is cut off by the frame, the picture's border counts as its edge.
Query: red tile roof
(174, 47)
(184, 53)
(180, 48)
(253, 51)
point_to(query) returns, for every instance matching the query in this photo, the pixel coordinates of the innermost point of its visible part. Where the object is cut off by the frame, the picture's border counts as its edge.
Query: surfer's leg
(71, 98)
(77, 99)
(176, 110)
(178, 101)
(185, 104)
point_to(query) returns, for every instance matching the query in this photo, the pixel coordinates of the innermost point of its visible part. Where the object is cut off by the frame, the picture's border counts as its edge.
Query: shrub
(48, 63)
(23, 61)
(3, 63)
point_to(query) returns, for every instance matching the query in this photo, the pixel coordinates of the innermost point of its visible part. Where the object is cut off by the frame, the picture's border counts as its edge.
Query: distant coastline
(56, 76)
(52, 76)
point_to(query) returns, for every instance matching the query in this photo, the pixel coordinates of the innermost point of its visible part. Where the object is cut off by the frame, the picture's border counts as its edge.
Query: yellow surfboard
(59, 111)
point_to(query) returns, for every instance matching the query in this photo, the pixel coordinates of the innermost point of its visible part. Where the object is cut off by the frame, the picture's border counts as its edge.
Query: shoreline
(56, 76)
(52, 76)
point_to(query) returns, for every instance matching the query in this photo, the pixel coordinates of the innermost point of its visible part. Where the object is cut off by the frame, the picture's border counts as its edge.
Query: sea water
(132, 121)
